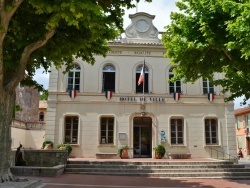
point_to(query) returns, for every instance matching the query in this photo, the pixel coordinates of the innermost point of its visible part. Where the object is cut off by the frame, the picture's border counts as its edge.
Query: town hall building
(98, 108)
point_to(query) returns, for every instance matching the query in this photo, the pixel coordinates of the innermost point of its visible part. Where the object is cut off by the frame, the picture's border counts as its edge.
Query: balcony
(40, 125)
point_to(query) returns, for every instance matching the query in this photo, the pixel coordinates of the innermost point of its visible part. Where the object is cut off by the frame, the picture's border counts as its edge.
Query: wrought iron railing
(218, 154)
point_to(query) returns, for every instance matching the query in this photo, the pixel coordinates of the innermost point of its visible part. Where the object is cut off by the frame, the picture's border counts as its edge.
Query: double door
(142, 137)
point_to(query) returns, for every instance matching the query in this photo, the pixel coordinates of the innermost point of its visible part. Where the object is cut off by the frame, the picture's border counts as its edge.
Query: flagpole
(143, 86)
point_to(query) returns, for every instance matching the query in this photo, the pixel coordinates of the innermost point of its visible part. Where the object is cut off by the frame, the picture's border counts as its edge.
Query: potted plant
(159, 151)
(123, 152)
(67, 147)
(47, 145)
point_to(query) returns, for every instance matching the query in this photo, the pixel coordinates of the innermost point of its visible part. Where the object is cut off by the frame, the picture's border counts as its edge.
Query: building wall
(30, 139)
(242, 122)
(90, 104)
(28, 99)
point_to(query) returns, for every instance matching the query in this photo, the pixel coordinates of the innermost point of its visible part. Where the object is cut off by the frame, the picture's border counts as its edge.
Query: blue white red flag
(142, 75)
(210, 96)
(177, 96)
(108, 94)
(72, 93)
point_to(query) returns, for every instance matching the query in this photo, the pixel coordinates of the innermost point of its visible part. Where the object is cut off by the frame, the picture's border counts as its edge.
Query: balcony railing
(28, 125)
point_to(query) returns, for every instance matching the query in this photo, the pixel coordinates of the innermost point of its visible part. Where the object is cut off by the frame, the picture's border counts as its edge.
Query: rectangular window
(207, 86)
(177, 132)
(211, 131)
(107, 130)
(174, 87)
(108, 81)
(71, 129)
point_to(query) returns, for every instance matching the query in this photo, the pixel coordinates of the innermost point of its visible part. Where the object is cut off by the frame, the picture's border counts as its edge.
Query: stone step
(184, 170)
(238, 175)
(151, 166)
(153, 163)
(197, 169)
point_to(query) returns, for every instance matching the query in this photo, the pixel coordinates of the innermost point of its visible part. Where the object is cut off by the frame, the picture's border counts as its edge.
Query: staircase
(173, 169)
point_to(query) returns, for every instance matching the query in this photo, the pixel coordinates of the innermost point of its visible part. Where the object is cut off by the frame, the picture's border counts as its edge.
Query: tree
(35, 34)
(44, 95)
(212, 36)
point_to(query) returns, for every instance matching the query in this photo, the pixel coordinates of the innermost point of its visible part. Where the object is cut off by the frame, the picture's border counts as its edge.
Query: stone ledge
(21, 184)
(37, 171)
(106, 156)
(179, 155)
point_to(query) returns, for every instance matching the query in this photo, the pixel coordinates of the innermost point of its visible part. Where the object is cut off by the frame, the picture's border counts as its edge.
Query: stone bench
(179, 155)
(107, 156)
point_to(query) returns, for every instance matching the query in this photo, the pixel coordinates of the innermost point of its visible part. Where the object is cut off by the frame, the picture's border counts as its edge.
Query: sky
(161, 9)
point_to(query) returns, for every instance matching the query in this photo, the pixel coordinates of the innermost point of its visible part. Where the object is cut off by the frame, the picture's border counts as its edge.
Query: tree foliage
(37, 33)
(44, 95)
(211, 36)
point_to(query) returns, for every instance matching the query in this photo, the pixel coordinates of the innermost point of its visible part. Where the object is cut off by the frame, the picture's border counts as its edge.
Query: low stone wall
(179, 155)
(45, 158)
(37, 171)
(41, 163)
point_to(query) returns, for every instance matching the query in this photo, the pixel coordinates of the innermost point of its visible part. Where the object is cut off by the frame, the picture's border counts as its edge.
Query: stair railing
(217, 154)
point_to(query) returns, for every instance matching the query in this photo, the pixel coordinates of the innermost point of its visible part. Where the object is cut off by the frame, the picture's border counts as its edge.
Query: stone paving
(97, 181)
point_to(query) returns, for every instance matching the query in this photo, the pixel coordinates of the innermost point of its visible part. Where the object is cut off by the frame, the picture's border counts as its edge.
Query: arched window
(108, 78)
(174, 87)
(208, 87)
(74, 78)
(41, 116)
(139, 87)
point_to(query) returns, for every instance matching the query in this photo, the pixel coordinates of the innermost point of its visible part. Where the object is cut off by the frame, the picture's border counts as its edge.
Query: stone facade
(242, 128)
(107, 109)
(28, 100)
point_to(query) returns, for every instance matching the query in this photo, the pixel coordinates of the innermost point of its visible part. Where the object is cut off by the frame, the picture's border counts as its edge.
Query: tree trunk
(7, 101)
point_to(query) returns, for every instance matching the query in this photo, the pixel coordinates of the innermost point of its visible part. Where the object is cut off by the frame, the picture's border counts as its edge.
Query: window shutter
(239, 139)
(238, 122)
(248, 121)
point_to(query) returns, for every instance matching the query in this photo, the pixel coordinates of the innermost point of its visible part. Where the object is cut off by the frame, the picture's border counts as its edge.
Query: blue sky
(161, 9)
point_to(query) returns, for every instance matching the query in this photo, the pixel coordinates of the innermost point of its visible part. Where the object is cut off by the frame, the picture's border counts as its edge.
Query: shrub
(67, 147)
(47, 142)
(160, 149)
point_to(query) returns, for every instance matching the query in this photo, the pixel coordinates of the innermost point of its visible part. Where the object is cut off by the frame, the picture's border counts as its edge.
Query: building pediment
(142, 29)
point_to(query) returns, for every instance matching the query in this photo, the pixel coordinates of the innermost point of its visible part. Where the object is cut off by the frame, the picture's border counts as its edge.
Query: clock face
(142, 25)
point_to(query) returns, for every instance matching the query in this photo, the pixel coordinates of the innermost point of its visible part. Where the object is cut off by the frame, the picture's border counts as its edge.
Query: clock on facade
(142, 25)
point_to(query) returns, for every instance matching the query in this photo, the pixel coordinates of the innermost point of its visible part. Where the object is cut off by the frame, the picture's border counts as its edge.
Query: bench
(179, 155)
(107, 156)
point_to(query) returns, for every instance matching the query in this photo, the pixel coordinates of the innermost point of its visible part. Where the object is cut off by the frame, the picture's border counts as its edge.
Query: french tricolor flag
(177, 96)
(108, 94)
(210, 96)
(142, 75)
(72, 93)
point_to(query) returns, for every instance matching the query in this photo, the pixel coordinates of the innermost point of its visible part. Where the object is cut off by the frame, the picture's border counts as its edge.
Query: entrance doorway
(142, 137)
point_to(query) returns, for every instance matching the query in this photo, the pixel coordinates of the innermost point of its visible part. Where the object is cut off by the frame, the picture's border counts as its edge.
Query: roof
(241, 111)
(43, 104)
